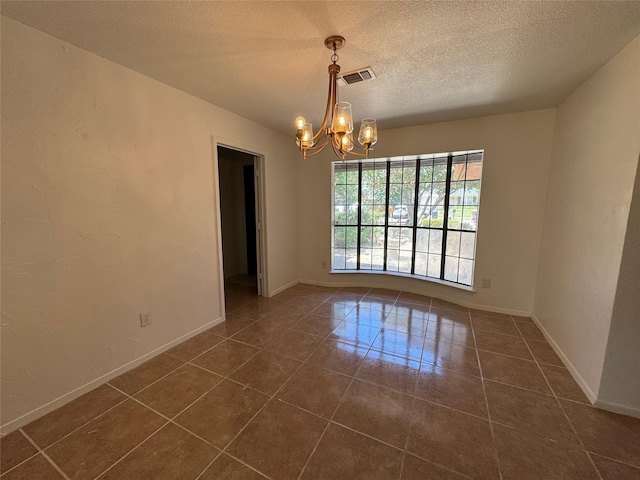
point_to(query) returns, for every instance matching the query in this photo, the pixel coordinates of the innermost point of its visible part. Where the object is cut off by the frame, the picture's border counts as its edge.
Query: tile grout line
(173, 422)
(486, 400)
(406, 441)
(121, 459)
(42, 452)
(614, 460)
(413, 403)
(155, 381)
(208, 465)
(85, 423)
(335, 410)
(22, 462)
(272, 397)
(168, 419)
(353, 378)
(482, 377)
(564, 413)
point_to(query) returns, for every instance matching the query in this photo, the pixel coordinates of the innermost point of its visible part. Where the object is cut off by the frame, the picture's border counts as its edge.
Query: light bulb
(341, 120)
(367, 133)
(300, 123)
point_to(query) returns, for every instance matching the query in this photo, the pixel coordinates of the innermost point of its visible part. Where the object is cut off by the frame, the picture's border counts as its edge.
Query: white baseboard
(591, 396)
(283, 288)
(72, 395)
(463, 303)
(617, 408)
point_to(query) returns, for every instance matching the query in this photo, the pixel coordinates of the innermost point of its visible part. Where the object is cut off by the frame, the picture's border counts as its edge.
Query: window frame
(443, 206)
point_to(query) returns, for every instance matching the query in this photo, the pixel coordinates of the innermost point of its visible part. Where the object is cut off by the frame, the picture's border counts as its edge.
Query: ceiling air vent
(357, 76)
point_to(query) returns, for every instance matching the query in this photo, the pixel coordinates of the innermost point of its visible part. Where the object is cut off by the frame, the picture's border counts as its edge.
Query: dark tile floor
(351, 383)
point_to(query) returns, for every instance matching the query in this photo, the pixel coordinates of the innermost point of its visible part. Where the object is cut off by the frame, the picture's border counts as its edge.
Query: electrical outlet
(145, 319)
(486, 283)
(323, 264)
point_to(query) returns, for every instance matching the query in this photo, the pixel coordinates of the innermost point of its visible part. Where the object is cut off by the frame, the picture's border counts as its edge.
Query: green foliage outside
(402, 191)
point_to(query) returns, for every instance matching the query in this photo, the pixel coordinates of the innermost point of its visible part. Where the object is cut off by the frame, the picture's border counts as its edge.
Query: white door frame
(261, 243)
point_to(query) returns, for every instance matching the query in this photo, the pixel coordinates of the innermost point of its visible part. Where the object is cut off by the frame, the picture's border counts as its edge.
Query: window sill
(459, 286)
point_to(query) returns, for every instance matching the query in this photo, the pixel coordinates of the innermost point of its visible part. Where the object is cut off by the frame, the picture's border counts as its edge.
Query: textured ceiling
(435, 61)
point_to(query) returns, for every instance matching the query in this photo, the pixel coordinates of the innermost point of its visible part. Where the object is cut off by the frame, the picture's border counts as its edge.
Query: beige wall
(109, 210)
(594, 162)
(620, 386)
(516, 162)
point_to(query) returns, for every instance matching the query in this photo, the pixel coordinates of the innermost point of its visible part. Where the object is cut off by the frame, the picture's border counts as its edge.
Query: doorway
(240, 219)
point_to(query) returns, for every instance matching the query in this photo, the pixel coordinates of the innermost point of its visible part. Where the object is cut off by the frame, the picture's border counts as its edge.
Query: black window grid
(409, 177)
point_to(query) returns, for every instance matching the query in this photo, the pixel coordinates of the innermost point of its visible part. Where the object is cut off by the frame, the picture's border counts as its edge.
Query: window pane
(434, 266)
(395, 194)
(392, 260)
(467, 247)
(474, 167)
(339, 237)
(351, 235)
(421, 264)
(457, 190)
(458, 164)
(377, 260)
(408, 192)
(352, 258)
(438, 193)
(379, 214)
(379, 193)
(459, 167)
(435, 241)
(426, 172)
(352, 215)
(340, 195)
(465, 272)
(422, 240)
(453, 243)
(451, 269)
(352, 176)
(470, 218)
(366, 236)
(471, 193)
(393, 240)
(367, 215)
(365, 258)
(440, 170)
(406, 239)
(377, 239)
(455, 214)
(404, 261)
(352, 195)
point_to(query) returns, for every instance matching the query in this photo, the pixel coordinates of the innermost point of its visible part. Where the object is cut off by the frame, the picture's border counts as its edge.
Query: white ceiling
(435, 61)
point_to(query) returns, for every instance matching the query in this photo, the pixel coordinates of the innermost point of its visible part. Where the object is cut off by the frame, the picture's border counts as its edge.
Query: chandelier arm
(316, 152)
(357, 154)
(318, 148)
(338, 151)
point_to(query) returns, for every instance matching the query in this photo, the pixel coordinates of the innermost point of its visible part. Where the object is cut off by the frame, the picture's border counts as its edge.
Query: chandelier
(337, 127)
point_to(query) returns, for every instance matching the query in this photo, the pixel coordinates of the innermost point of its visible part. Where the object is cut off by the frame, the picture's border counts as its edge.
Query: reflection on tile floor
(328, 383)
